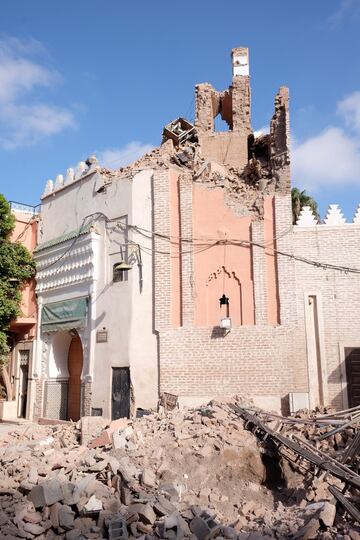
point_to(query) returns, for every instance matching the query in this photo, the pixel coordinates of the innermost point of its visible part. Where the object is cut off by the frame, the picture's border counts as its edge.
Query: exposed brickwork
(259, 273)
(257, 360)
(202, 362)
(280, 140)
(187, 256)
(339, 294)
(205, 95)
(240, 91)
(39, 398)
(162, 271)
(86, 398)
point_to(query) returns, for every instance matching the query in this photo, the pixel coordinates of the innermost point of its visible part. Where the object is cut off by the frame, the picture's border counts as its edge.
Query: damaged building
(183, 274)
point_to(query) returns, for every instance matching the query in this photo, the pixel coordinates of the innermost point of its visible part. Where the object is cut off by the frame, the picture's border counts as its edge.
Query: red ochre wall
(220, 269)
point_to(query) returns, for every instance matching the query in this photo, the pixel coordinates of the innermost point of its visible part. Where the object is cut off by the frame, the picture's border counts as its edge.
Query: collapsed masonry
(248, 165)
(207, 215)
(190, 473)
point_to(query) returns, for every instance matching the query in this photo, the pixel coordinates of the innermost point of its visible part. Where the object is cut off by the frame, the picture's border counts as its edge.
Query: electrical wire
(201, 244)
(248, 243)
(27, 225)
(82, 227)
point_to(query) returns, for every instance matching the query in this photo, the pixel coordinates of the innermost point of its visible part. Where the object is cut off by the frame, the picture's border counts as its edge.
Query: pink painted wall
(25, 232)
(270, 262)
(175, 259)
(220, 269)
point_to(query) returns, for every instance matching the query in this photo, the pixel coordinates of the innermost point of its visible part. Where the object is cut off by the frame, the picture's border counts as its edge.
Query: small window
(119, 274)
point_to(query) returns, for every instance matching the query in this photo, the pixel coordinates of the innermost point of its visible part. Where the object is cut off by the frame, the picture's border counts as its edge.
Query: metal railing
(24, 208)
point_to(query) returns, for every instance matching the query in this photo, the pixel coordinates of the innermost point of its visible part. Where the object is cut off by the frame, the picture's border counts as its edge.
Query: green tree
(300, 199)
(16, 269)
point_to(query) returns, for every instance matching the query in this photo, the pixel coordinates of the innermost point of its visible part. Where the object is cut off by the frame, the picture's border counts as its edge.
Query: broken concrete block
(148, 478)
(118, 529)
(54, 514)
(93, 505)
(163, 506)
(309, 530)
(70, 494)
(175, 527)
(90, 427)
(106, 436)
(34, 528)
(119, 440)
(74, 534)
(46, 494)
(66, 517)
(145, 511)
(33, 475)
(84, 524)
(125, 495)
(32, 517)
(199, 527)
(327, 514)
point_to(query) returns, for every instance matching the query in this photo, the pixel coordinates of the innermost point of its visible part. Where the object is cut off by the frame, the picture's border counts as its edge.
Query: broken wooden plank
(349, 507)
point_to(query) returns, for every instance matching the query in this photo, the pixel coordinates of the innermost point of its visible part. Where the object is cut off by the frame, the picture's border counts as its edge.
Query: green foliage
(16, 269)
(300, 199)
(7, 219)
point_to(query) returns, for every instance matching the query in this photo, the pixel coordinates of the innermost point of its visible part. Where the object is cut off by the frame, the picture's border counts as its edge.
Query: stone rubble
(187, 473)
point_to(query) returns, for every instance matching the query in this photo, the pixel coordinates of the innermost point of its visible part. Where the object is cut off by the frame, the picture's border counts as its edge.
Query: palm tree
(300, 199)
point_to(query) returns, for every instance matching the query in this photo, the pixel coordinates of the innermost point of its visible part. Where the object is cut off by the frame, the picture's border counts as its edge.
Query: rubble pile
(247, 185)
(186, 473)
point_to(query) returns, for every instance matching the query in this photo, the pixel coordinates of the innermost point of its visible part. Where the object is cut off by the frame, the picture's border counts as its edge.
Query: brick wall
(338, 292)
(86, 398)
(249, 360)
(196, 362)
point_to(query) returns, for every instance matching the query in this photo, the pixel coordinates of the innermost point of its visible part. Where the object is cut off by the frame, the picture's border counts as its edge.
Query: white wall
(118, 307)
(58, 355)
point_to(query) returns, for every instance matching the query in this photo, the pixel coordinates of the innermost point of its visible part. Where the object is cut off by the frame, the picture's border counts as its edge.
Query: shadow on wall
(336, 378)
(58, 358)
(218, 332)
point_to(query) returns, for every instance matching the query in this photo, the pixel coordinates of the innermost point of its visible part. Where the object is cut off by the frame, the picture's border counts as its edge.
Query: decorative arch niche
(223, 281)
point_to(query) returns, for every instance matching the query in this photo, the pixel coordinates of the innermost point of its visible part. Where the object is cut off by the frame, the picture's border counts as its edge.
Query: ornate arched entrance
(75, 365)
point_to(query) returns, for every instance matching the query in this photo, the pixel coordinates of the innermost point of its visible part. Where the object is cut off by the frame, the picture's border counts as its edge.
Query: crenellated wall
(328, 299)
(72, 175)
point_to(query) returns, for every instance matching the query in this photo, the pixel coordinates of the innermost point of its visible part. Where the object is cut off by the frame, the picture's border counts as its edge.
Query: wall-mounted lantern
(121, 268)
(225, 322)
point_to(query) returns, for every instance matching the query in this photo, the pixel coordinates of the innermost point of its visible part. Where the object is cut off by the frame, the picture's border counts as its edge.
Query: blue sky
(104, 77)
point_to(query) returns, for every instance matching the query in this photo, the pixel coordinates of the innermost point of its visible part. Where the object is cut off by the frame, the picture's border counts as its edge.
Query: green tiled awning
(64, 315)
(64, 238)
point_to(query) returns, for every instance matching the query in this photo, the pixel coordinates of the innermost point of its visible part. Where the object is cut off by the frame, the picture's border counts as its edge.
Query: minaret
(240, 90)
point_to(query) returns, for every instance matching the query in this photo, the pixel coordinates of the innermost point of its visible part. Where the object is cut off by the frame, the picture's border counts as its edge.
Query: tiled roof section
(64, 238)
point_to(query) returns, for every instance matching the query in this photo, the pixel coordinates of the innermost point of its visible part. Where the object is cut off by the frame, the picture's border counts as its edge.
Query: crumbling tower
(238, 147)
(240, 91)
(233, 105)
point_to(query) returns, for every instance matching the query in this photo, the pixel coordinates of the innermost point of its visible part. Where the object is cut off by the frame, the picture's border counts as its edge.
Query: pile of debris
(186, 473)
(181, 150)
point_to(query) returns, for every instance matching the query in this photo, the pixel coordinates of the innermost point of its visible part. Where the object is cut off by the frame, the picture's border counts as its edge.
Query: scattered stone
(47, 493)
(34, 528)
(66, 517)
(145, 511)
(93, 505)
(309, 530)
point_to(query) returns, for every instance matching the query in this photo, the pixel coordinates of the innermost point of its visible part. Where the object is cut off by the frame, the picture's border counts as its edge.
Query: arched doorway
(75, 365)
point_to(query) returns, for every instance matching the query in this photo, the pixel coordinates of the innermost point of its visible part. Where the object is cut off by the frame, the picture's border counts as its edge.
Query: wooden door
(120, 399)
(23, 382)
(75, 365)
(352, 362)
